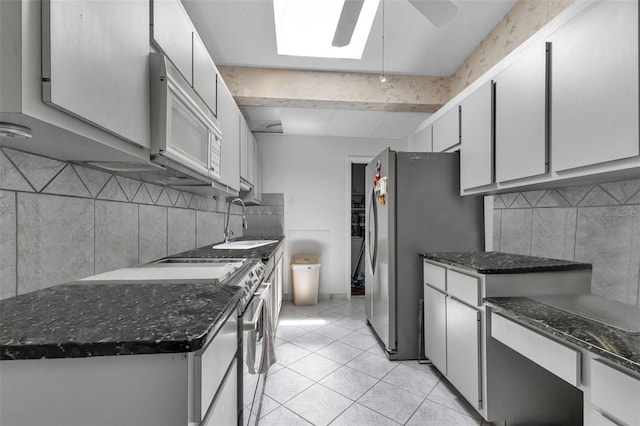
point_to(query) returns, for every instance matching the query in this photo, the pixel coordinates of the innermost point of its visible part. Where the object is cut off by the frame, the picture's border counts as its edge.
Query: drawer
(215, 361)
(464, 287)
(615, 392)
(561, 360)
(434, 276)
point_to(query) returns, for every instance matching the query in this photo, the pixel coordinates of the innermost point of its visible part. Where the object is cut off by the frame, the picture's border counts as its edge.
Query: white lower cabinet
(435, 331)
(463, 350)
(224, 411)
(611, 396)
(561, 360)
(457, 340)
(615, 393)
(193, 388)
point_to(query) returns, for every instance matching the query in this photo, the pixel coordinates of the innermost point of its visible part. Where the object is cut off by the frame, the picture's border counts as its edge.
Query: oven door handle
(253, 324)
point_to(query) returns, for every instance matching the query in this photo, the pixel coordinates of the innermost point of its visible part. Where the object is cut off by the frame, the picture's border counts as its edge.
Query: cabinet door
(205, 75)
(95, 64)
(520, 132)
(257, 181)
(423, 139)
(594, 91)
(280, 282)
(229, 119)
(172, 32)
(446, 130)
(463, 350)
(244, 149)
(225, 407)
(435, 328)
(476, 137)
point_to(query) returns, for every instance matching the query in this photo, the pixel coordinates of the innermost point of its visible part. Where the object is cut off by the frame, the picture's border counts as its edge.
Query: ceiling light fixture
(383, 78)
(323, 28)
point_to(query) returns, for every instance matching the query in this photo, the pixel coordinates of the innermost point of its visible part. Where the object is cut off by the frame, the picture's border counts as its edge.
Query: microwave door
(189, 139)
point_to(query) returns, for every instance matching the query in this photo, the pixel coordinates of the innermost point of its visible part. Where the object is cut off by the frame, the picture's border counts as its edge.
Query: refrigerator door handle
(373, 231)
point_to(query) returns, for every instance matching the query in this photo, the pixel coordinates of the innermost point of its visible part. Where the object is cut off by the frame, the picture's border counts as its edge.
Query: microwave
(184, 132)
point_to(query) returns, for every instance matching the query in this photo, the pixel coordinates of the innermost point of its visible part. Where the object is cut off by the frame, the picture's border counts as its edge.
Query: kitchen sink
(211, 270)
(244, 245)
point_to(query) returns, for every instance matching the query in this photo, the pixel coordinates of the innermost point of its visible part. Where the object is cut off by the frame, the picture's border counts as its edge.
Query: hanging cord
(383, 78)
(421, 332)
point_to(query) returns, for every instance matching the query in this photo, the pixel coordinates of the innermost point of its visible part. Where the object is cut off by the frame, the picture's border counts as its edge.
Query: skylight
(307, 27)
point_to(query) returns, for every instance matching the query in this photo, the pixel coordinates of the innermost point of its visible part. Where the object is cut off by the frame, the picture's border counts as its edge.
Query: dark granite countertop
(262, 253)
(82, 320)
(490, 262)
(614, 344)
(121, 318)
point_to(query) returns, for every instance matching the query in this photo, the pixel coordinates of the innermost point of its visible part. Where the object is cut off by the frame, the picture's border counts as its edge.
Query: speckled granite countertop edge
(503, 263)
(562, 324)
(156, 333)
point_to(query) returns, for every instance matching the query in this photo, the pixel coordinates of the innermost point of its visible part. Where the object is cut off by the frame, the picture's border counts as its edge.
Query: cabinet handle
(493, 131)
(548, 106)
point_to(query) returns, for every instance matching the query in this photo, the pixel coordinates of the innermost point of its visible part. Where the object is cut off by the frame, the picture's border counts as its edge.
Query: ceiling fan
(438, 12)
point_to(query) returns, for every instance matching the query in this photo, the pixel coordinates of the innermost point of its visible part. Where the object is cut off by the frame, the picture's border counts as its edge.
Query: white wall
(311, 172)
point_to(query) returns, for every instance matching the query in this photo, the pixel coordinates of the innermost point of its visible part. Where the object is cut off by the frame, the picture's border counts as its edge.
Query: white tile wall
(598, 224)
(60, 222)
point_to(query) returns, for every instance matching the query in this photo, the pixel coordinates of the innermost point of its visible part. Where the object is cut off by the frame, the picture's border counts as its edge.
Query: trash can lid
(304, 259)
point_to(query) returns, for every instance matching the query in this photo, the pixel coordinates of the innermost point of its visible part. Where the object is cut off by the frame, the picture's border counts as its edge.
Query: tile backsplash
(267, 219)
(61, 221)
(599, 224)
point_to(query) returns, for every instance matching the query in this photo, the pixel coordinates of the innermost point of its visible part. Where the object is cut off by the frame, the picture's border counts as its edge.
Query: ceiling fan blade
(347, 22)
(439, 12)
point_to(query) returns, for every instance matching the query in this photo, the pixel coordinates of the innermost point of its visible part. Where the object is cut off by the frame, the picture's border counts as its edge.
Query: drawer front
(615, 392)
(464, 287)
(434, 276)
(561, 360)
(216, 360)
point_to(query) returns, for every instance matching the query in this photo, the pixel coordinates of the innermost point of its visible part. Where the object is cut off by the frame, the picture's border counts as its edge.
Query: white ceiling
(242, 33)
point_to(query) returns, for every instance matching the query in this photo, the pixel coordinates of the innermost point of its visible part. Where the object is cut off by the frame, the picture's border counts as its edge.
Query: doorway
(357, 228)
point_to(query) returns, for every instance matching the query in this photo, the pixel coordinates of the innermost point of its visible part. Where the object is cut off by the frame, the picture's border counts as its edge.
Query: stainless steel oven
(256, 336)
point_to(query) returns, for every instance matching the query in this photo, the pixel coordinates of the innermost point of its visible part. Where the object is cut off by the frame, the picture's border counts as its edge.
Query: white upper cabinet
(95, 64)
(229, 116)
(446, 130)
(520, 116)
(205, 75)
(423, 141)
(476, 137)
(594, 86)
(245, 138)
(257, 171)
(172, 31)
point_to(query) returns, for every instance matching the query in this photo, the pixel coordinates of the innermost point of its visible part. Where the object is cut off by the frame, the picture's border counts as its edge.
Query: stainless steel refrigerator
(414, 208)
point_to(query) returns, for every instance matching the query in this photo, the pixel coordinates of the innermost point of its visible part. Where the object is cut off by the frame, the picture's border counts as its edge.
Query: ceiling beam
(335, 90)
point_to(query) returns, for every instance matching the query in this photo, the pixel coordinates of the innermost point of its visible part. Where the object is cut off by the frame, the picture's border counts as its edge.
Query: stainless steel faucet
(227, 231)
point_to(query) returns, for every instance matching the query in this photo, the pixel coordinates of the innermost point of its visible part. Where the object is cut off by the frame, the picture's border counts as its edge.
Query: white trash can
(305, 271)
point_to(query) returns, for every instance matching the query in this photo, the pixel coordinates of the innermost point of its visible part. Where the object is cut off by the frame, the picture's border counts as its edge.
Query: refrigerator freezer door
(380, 289)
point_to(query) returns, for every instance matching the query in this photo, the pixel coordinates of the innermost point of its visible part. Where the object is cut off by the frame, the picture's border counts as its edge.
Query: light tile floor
(331, 370)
